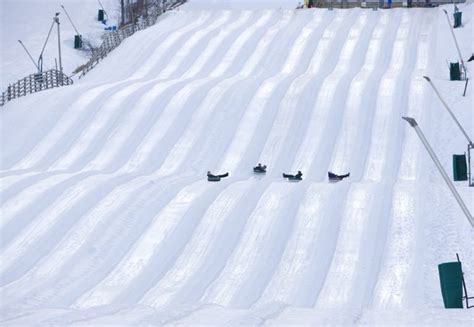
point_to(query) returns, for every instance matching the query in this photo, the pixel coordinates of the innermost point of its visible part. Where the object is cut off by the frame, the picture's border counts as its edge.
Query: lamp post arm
(29, 55)
(70, 20)
(40, 59)
(448, 109)
(443, 173)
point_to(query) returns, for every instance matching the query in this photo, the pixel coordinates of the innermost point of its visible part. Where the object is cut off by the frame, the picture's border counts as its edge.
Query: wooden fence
(34, 83)
(375, 4)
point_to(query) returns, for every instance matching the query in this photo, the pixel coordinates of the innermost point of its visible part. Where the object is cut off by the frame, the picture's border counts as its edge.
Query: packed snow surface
(107, 216)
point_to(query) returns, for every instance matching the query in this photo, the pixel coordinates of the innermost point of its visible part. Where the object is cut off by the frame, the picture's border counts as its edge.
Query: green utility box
(459, 167)
(100, 16)
(454, 71)
(77, 42)
(450, 277)
(457, 19)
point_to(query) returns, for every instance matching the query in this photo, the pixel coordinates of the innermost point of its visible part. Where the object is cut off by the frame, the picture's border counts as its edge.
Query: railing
(34, 83)
(114, 38)
(380, 3)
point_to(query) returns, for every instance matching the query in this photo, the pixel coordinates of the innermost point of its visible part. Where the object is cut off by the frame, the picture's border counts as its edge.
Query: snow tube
(293, 178)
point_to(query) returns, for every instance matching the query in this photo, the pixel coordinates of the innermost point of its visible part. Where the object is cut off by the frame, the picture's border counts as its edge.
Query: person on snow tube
(215, 178)
(260, 169)
(298, 176)
(336, 177)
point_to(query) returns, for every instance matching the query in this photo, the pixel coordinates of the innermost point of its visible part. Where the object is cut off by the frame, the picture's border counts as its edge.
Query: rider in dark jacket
(209, 174)
(336, 177)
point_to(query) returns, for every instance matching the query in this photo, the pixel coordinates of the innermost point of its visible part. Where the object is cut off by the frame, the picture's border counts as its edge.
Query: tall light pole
(56, 20)
(443, 173)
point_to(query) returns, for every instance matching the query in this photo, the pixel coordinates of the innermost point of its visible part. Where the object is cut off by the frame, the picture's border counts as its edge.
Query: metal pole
(455, 193)
(465, 87)
(471, 180)
(456, 42)
(447, 108)
(56, 20)
(34, 63)
(464, 286)
(70, 20)
(40, 59)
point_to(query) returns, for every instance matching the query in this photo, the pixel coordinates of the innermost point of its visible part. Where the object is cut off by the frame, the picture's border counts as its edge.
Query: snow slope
(107, 217)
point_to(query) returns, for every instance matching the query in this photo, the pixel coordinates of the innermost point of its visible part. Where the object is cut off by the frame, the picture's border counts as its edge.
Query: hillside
(107, 216)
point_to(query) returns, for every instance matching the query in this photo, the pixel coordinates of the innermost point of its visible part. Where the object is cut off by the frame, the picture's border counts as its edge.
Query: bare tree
(122, 13)
(133, 10)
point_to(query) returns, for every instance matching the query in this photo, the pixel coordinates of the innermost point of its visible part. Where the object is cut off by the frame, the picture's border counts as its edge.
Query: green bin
(450, 277)
(100, 16)
(459, 167)
(457, 19)
(77, 42)
(454, 71)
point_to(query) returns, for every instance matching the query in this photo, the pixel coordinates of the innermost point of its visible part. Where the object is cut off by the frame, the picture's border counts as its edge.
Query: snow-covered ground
(107, 217)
